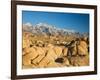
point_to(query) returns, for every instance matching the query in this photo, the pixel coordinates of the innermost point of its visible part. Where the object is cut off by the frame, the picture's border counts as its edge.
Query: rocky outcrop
(44, 53)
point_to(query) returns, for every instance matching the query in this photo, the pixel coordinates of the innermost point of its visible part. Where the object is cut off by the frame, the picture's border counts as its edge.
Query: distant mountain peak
(46, 25)
(28, 24)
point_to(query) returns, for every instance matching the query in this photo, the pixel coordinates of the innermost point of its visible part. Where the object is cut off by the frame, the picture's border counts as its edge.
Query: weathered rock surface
(80, 61)
(65, 52)
(83, 48)
(58, 51)
(44, 53)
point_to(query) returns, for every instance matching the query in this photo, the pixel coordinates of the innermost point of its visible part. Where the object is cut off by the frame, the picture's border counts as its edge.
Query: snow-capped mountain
(27, 27)
(43, 28)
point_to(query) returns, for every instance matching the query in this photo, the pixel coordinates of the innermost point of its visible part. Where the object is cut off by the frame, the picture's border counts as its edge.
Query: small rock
(66, 61)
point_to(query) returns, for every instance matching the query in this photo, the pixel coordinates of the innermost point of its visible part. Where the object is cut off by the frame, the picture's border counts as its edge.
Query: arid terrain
(53, 50)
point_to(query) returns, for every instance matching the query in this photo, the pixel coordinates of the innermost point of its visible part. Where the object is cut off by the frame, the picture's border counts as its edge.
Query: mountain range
(47, 29)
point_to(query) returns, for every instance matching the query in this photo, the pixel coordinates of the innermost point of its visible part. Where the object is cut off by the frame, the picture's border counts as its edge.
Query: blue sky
(73, 21)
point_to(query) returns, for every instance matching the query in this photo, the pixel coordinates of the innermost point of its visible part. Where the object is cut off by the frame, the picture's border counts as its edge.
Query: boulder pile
(39, 54)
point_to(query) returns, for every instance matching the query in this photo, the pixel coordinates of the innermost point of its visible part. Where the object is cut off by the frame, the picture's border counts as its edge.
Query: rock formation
(44, 51)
